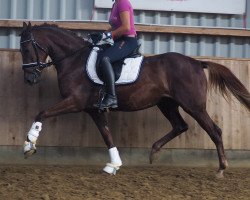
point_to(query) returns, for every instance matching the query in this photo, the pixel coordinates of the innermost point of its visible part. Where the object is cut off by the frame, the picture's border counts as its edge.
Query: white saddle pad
(129, 74)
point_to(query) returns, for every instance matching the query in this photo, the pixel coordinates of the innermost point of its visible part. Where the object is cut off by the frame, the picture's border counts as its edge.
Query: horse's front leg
(67, 105)
(101, 121)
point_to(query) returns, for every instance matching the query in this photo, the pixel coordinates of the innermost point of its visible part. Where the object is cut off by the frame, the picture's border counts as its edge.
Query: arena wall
(21, 102)
(74, 139)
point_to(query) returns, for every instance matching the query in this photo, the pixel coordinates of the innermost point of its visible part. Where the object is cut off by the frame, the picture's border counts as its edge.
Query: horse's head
(33, 55)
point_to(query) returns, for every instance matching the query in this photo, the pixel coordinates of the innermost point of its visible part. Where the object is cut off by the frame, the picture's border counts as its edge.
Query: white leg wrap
(34, 131)
(114, 156)
(29, 147)
(116, 162)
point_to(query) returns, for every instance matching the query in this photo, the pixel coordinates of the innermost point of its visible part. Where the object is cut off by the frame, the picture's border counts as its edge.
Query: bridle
(38, 66)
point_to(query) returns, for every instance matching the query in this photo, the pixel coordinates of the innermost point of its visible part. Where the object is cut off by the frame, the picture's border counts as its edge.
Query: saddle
(126, 70)
(117, 66)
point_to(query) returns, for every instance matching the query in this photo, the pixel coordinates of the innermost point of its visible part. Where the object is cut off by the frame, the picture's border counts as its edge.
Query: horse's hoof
(220, 174)
(29, 153)
(152, 156)
(226, 164)
(29, 149)
(111, 168)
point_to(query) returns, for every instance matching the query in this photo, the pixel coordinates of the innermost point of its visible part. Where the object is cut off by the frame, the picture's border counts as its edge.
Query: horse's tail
(220, 77)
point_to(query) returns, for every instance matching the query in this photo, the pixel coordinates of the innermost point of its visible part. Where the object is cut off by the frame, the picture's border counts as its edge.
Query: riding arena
(180, 128)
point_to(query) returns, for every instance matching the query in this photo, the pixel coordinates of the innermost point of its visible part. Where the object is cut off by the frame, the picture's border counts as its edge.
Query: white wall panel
(201, 6)
(151, 43)
(83, 9)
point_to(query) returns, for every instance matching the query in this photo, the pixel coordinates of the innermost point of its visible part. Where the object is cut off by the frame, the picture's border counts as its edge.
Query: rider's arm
(109, 29)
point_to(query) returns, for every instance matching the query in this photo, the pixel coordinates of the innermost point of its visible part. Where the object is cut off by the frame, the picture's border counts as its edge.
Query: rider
(123, 33)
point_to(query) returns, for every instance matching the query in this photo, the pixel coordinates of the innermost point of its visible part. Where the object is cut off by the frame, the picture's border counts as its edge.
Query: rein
(40, 64)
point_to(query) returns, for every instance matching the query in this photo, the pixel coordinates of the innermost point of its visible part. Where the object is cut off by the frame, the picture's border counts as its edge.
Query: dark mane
(45, 25)
(55, 27)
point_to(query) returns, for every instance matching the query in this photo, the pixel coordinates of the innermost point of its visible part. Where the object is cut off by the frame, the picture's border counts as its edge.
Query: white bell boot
(111, 168)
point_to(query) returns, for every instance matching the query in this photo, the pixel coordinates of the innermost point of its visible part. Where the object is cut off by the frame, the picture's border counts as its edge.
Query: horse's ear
(29, 25)
(24, 25)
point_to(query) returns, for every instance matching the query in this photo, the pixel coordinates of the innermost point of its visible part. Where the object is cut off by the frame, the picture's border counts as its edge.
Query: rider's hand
(106, 39)
(101, 38)
(108, 34)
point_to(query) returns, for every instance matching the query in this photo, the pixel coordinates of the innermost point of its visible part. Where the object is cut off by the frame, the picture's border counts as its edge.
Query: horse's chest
(65, 88)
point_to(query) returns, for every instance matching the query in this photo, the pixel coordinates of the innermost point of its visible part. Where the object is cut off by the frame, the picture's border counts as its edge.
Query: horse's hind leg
(202, 117)
(169, 108)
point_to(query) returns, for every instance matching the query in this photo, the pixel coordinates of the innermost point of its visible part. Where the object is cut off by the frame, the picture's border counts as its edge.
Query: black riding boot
(110, 99)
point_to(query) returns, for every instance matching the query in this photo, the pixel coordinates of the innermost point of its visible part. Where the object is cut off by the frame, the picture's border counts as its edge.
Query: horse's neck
(71, 72)
(63, 45)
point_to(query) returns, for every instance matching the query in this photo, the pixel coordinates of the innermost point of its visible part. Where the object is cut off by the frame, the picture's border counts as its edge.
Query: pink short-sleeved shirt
(115, 20)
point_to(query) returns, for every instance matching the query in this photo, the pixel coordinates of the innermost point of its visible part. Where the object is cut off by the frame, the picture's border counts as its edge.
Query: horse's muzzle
(31, 78)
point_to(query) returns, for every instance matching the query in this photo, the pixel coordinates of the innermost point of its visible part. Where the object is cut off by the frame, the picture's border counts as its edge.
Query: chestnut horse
(169, 81)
